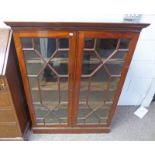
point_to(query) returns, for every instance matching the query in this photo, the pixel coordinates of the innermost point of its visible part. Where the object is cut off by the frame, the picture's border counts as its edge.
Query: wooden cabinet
(73, 73)
(13, 117)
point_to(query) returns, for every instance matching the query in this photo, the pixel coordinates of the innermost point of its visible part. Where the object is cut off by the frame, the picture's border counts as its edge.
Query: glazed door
(73, 79)
(103, 60)
(47, 64)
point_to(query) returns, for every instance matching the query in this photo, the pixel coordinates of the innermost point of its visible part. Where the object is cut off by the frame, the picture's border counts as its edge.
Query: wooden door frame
(80, 44)
(75, 64)
(71, 35)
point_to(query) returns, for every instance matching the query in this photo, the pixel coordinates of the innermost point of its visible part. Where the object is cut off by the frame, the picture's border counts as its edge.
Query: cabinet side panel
(16, 88)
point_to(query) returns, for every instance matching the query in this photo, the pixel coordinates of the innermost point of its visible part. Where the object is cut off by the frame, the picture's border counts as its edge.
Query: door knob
(71, 34)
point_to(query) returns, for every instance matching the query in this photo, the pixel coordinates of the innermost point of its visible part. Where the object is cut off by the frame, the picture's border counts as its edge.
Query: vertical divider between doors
(78, 66)
(72, 64)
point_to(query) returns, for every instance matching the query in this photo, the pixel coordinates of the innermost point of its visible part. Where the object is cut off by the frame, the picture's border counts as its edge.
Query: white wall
(139, 86)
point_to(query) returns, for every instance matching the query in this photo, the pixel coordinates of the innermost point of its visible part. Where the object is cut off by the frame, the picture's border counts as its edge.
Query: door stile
(79, 56)
(22, 66)
(72, 64)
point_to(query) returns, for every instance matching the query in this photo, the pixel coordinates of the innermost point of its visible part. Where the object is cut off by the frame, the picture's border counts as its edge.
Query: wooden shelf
(53, 86)
(36, 61)
(65, 61)
(50, 86)
(64, 105)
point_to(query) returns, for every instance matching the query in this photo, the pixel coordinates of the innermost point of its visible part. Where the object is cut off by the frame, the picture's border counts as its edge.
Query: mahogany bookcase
(73, 73)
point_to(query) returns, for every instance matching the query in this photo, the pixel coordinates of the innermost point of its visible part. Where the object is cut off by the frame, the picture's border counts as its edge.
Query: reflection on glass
(46, 61)
(101, 70)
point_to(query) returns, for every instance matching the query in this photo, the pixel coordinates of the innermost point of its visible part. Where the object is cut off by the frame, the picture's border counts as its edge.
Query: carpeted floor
(125, 126)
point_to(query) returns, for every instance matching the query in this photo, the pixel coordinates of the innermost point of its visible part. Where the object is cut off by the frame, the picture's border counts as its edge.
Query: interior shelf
(53, 86)
(65, 61)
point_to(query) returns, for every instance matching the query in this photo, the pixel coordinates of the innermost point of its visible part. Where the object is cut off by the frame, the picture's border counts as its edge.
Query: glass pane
(60, 62)
(90, 62)
(33, 62)
(89, 43)
(63, 43)
(47, 71)
(124, 43)
(26, 42)
(101, 70)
